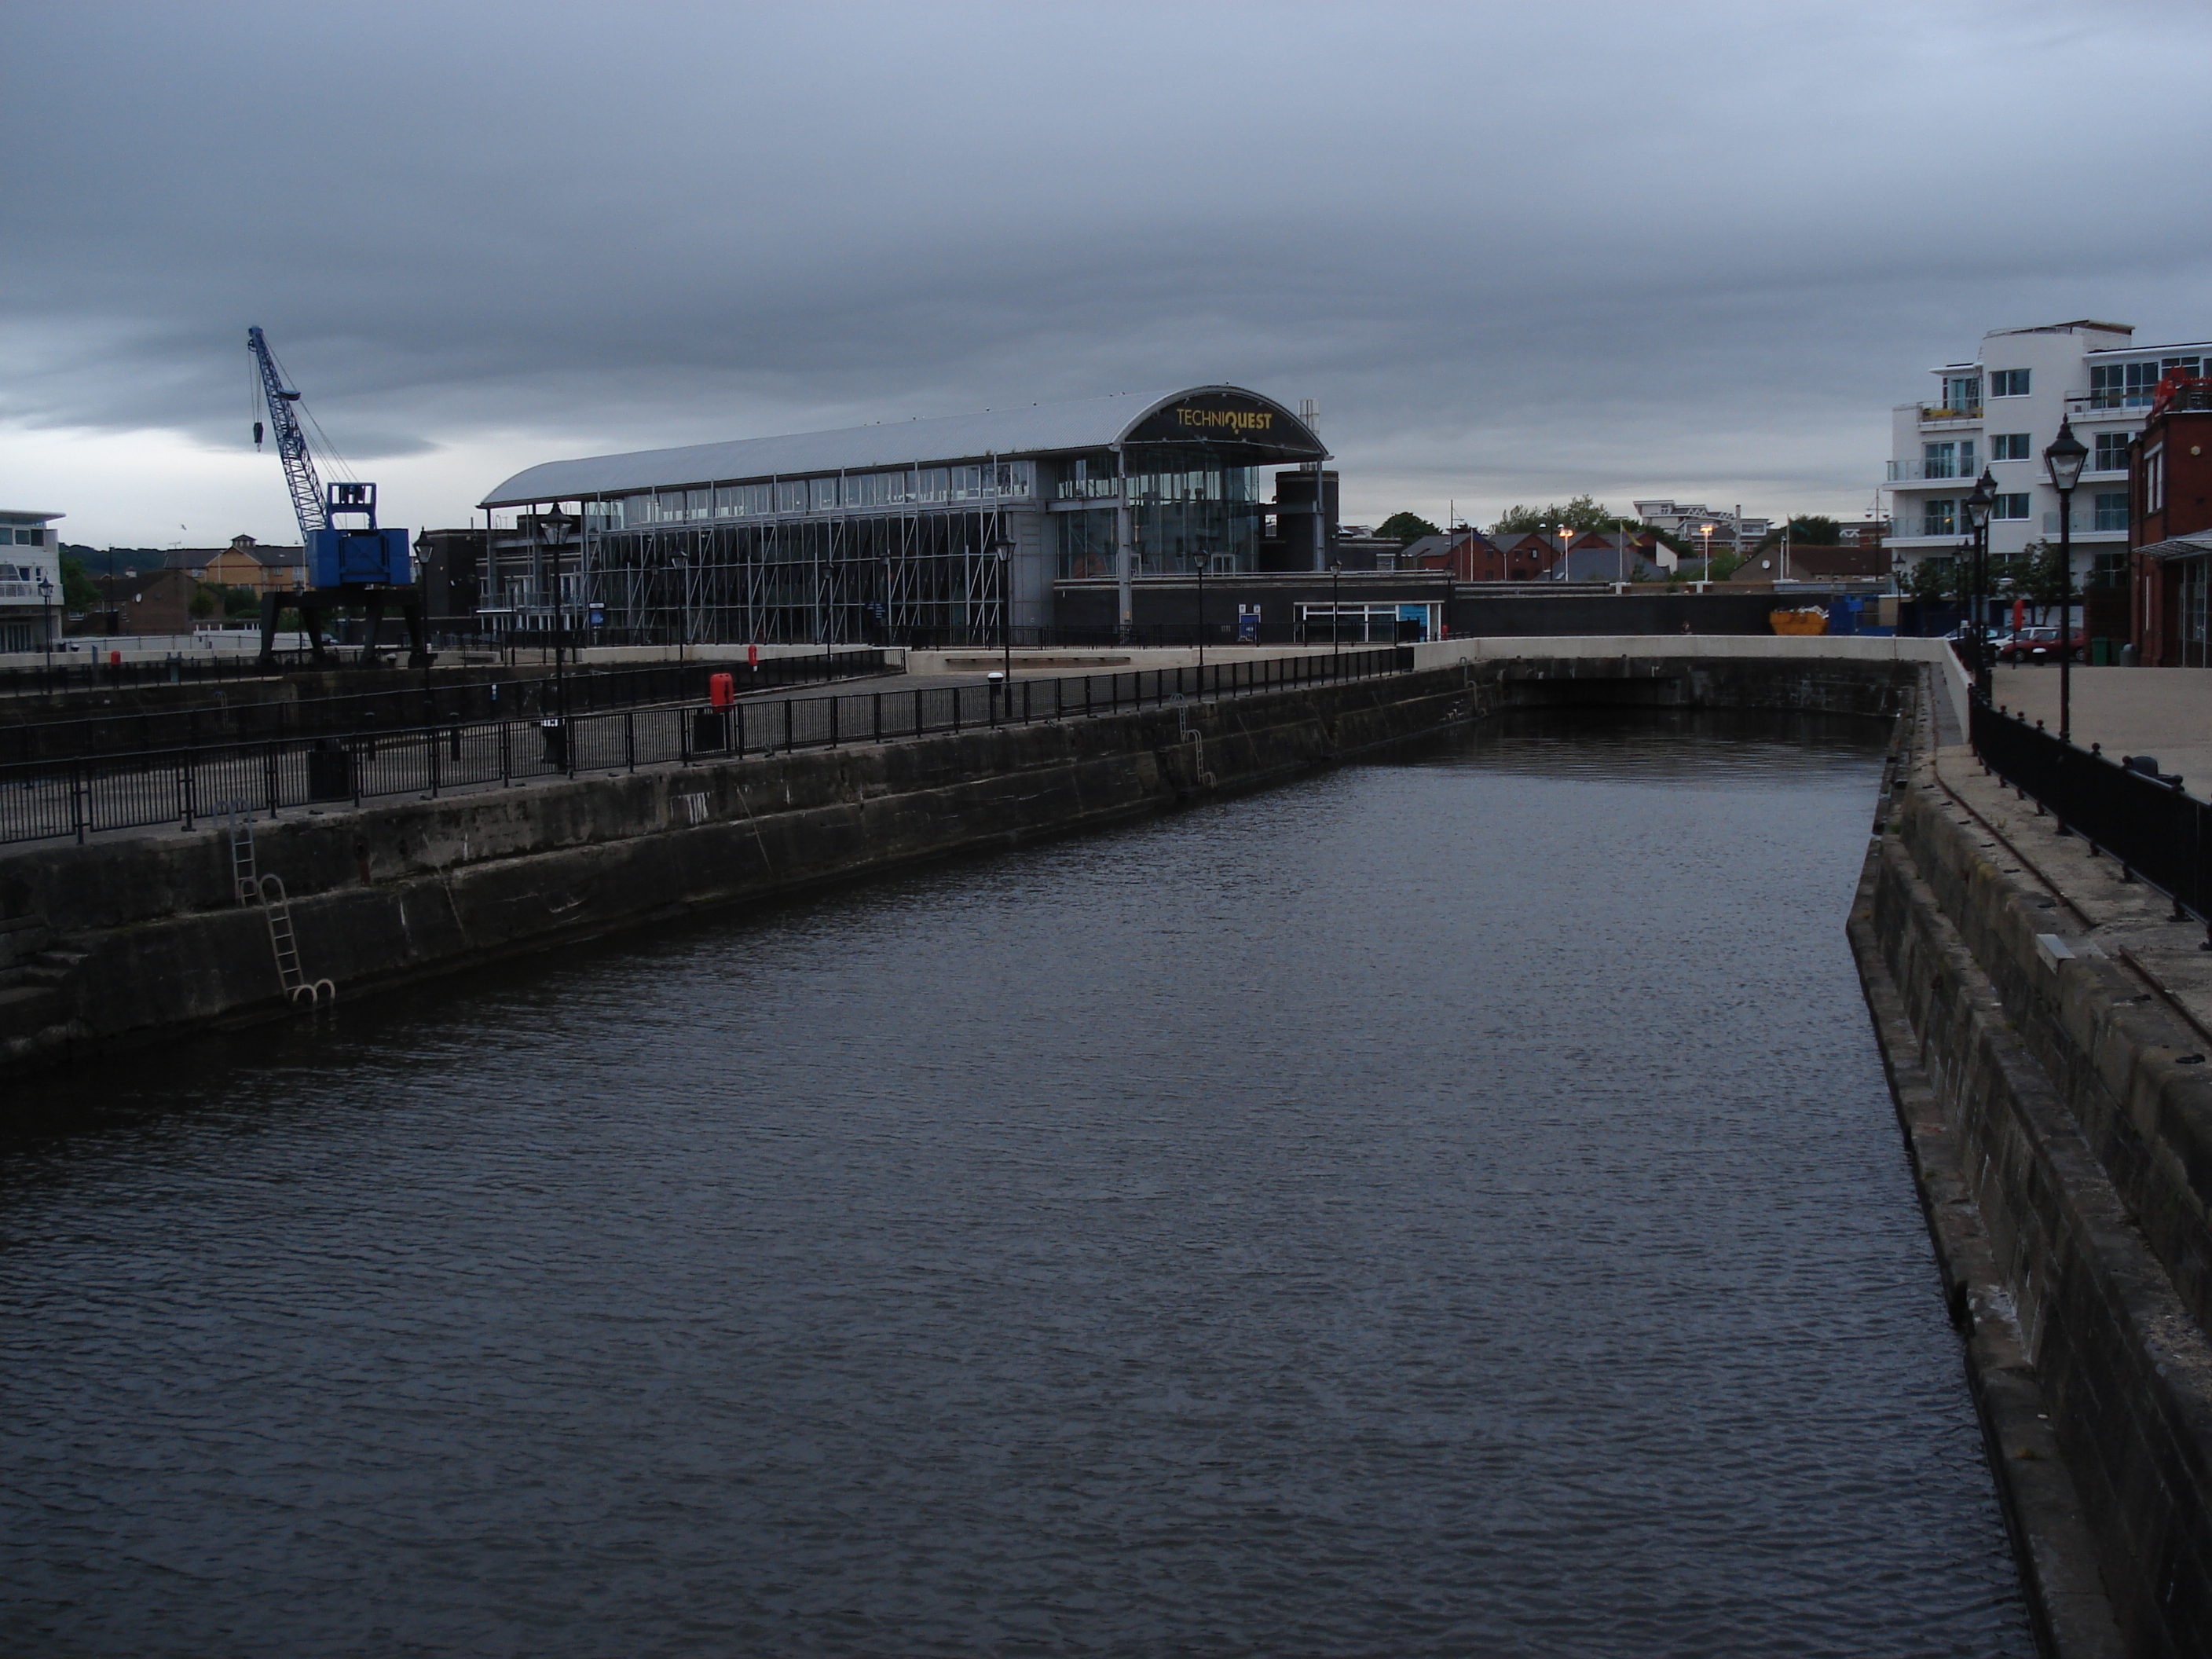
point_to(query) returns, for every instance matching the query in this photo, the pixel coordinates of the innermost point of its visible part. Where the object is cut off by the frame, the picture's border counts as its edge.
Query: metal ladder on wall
(268, 891)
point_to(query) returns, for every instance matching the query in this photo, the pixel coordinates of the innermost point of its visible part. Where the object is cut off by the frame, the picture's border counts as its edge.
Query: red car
(2040, 645)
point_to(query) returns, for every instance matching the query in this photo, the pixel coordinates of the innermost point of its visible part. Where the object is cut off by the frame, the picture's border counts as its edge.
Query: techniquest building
(1039, 520)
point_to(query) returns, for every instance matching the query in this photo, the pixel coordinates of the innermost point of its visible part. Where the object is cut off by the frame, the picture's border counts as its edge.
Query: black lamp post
(1204, 559)
(552, 531)
(1978, 514)
(2064, 458)
(1335, 610)
(46, 623)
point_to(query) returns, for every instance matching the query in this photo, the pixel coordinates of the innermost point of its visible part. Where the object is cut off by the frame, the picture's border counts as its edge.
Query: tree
(1806, 530)
(240, 601)
(1580, 513)
(1724, 565)
(1406, 528)
(203, 602)
(2044, 580)
(79, 594)
(1937, 579)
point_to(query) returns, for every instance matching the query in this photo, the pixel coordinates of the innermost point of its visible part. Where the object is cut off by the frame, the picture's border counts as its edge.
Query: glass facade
(1186, 511)
(842, 492)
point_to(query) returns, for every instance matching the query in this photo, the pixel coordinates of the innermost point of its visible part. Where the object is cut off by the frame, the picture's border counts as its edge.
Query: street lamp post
(1706, 574)
(552, 531)
(46, 623)
(2064, 458)
(1978, 514)
(1335, 610)
(1204, 559)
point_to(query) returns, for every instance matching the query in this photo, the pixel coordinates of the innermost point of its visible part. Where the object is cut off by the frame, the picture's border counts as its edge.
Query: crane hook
(257, 434)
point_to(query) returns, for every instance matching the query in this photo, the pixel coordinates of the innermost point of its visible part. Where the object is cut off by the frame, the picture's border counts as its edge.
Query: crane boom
(291, 442)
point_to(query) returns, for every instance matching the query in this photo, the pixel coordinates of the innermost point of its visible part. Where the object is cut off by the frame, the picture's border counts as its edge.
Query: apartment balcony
(2108, 406)
(1940, 415)
(2093, 526)
(1935, 472)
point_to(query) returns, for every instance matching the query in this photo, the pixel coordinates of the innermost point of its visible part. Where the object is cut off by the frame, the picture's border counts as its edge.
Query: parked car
(2039, 645)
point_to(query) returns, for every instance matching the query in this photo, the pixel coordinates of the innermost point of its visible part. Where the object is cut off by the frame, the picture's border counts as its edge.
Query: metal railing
(412, 700)
(43, 800)
(2138, 816)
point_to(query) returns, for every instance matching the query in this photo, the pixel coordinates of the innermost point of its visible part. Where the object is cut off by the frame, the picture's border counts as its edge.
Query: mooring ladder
(244, 881)
(284, 943)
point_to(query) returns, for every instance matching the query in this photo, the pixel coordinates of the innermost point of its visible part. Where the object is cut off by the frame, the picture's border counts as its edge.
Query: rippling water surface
(1449, 1205)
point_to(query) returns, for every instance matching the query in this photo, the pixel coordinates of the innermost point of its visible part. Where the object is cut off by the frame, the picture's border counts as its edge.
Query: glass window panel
(824, 494)
(791, 496)
(1939, 518)
(932, 485)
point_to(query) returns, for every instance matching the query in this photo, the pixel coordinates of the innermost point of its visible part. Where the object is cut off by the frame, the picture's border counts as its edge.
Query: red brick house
(2170, 526)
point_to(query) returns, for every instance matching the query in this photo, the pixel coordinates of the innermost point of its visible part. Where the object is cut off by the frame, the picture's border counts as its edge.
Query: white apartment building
(2000, 411)
(1697, 524)
(30, 580)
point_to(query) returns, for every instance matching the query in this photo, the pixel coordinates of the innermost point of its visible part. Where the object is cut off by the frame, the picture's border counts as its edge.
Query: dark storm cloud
(1525, 248)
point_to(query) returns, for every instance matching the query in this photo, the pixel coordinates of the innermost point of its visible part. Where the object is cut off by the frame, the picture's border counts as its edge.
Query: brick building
(2170, 512)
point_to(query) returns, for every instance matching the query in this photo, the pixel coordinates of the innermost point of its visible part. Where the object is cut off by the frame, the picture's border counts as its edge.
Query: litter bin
(710, 731)
(330, 771)
(555, 736)
(2100, 653)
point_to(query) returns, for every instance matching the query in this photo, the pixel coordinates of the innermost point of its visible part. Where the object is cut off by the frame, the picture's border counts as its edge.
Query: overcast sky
(1515, 251)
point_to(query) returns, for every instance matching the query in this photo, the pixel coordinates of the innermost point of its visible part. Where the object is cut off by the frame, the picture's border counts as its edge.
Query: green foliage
(1806, 530)
(1580, 513)
(79, 594)
(203, 602)
(1938, 580)
(241, 603)
(2044, 581)
(1406, 528)
(1725, 565)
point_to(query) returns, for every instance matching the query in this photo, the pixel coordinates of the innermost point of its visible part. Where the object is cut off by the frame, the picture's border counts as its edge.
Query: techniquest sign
(1220, 415)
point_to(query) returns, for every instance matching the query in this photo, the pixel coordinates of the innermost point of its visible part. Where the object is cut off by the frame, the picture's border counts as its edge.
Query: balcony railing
(2100, 521)
(1927, 471)
(1944, 412)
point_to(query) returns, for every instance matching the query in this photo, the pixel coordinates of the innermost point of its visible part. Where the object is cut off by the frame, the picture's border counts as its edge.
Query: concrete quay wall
(146, 938)
(2033, 1008)
(130, 937)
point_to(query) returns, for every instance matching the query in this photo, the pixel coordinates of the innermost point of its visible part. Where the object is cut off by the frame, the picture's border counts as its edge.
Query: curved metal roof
(1040, 428)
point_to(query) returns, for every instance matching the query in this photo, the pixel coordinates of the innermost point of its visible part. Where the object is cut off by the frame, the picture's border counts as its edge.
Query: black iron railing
(412, 700)
(2139, 818)
(41, 800)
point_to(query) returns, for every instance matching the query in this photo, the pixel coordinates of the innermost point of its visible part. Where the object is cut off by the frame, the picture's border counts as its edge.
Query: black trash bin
(710, 731)
(330, 770)
(555, 735)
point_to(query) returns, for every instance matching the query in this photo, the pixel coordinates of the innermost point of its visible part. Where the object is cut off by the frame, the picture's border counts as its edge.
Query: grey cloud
(1512, 249)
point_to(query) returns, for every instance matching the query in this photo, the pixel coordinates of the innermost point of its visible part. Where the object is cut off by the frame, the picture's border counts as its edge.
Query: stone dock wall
(134, 937)
(2052, 1083)
(130, 937)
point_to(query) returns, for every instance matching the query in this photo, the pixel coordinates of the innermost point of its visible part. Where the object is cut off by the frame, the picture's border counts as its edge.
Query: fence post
(629, 739)
(1026, 701)
(878, 700)
(834, 700)
(354, 748)
(741, 731)
(917, 714)
(78, 797)
(787, 725)
(506, 756)
(188, 777)
(956, 710)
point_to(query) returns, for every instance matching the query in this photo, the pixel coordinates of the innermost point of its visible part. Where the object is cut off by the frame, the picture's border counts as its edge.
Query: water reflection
(1449, 1205)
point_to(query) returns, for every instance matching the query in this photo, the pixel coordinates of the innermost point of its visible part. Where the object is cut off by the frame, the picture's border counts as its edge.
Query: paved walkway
(2165, 712)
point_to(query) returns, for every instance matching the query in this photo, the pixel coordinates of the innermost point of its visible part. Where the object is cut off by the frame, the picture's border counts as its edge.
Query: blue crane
(291, 442)
(349, 560)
